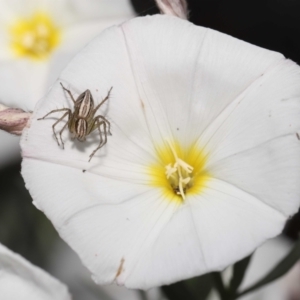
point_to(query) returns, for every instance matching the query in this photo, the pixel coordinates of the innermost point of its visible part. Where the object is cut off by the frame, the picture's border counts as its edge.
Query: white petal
(78, 35)
(136, 152)
(267, 109)
(5, 51)
(11, 10)
(75, 37)
(109, 232)
(78, 190)
(270, 172)
(104, 9)
(23, 83)
(21, 280)
(191, 74)
(66, 265)
(254, 145)
(207, 234)
(60, 10)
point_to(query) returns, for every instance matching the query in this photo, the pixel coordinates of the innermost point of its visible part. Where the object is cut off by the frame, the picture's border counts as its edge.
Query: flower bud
(13, 120)
(176, 8)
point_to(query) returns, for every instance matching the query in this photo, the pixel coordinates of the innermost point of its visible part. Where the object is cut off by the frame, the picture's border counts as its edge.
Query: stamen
(185, 166)
(178, 174)
(170, 170)
(35, 37)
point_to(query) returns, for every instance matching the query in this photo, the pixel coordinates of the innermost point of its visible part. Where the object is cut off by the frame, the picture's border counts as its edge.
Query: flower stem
(282, 268)
(220, 287)
(239, 271)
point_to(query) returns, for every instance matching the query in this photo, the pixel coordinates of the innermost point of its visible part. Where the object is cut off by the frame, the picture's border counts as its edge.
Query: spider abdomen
(81, 129)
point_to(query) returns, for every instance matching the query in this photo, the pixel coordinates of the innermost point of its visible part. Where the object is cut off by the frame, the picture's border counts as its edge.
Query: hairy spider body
(82, 121)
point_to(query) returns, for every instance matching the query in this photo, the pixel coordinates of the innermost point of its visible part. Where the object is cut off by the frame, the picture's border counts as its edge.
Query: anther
(179, 174)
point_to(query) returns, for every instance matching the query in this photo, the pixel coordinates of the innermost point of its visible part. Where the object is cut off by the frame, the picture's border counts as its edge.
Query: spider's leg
(101, 143)
(53, 126)
(61, 131)
(69, 92)
(105, 99)
(53, 111)
(105, 121)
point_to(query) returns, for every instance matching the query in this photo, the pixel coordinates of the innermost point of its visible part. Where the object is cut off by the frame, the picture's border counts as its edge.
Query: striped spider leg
(96, 123)
(83, 119)
(68, 113)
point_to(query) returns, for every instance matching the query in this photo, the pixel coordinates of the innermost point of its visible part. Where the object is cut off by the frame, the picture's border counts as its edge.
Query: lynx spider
(82, 120)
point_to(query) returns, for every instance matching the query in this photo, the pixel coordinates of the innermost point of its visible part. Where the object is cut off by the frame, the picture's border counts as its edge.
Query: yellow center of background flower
(179, 172)
(35, 37)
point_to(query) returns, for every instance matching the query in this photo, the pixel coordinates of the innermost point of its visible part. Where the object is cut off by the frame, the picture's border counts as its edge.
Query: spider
(82, 120)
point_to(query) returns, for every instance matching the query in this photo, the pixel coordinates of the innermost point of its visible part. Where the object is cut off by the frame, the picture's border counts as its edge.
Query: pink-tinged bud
(176, 8)
(13, 120)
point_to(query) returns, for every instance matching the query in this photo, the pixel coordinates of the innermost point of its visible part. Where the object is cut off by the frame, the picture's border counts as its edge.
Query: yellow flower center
(179, 172)
(35, 37)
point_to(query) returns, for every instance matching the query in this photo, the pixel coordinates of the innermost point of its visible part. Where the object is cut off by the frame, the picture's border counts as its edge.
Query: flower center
(179, 175)
(179, 171)
(35, 37)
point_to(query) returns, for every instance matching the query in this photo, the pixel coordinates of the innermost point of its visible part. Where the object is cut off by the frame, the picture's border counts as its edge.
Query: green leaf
(282, 268)
(194, 288)
(220, 287)
(200, 286)
(239, 270)
(177, 291)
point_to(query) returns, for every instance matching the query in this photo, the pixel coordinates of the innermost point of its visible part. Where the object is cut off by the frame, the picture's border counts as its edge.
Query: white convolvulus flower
(203, 164)
(20, 280)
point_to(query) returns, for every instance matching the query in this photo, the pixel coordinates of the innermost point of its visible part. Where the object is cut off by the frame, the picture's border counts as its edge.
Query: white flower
(20, 280)
(203, 164)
